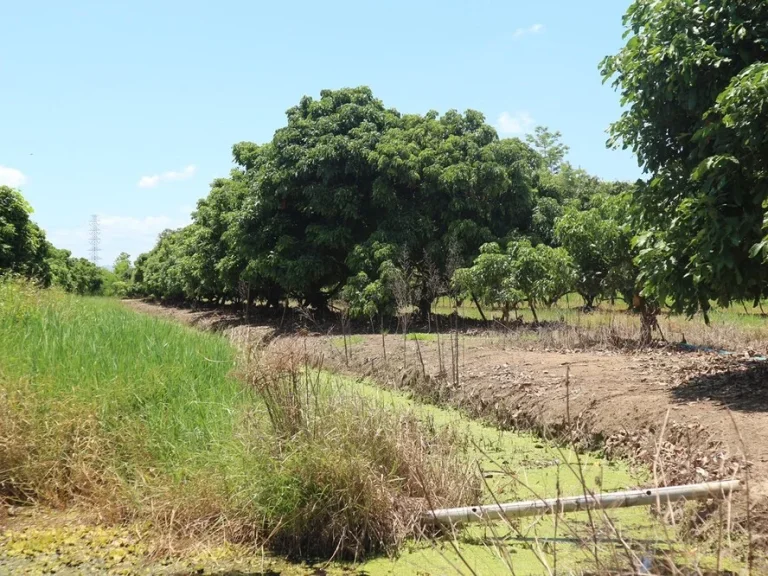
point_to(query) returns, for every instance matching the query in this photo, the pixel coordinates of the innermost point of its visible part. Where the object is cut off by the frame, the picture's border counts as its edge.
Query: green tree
(86, 278)
(491, 279)
(60, 263)
(159, 272)
(599, 242)
(549, 146)
(693, 81)
(448, 181)
(536, 274)
(311, 200)
(368, 293)
(346, 173)
(558, 274)
(23, 247)
(540, 273)
(122, 267)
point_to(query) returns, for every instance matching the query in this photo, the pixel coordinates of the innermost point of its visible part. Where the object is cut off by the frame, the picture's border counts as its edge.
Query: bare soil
(692, 417)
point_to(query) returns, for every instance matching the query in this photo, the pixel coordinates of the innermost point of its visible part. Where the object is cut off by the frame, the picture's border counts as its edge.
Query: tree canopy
(352, 200)
(694, 81)
(338, 195)
(23, 247)
(25, 251)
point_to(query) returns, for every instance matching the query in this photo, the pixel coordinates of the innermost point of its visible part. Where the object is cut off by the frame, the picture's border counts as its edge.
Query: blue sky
(129, 109)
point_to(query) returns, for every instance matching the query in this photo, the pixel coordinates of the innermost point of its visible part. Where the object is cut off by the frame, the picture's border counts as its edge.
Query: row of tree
(350, 198)
(25, 251)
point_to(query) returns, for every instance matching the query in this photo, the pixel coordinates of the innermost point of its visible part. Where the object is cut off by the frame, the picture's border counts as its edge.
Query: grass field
(140, 418)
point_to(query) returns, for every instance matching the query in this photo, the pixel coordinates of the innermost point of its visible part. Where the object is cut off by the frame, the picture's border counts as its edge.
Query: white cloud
(171, 176)
(128, 227)
(11, 177)
(519, 123)
(118, 234)
(149, 181)
(535, 29)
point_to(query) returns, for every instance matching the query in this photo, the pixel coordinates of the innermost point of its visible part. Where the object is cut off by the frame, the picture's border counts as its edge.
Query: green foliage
(491, 279)
(77, 275)
(165, 271)
(25, 251)
(311, 196)
(536, 274)
(346, 185)
(356, 201)
(23, 248)
(541, 273)
(548, 145)
(122, 267)
(599, 241)
(545, 215)
(693, 81)
(366, 298)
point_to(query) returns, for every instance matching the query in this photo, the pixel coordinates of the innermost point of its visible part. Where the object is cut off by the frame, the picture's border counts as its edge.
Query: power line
(95, 239)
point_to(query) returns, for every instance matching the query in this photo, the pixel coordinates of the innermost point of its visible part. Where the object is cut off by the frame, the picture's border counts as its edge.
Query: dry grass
(55, 457)
(621, 331)
(357, 474)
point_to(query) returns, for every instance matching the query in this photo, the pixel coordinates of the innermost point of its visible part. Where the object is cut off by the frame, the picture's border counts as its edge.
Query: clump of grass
(356, 475)
(53, 454)
(338, 341)
(422, 337)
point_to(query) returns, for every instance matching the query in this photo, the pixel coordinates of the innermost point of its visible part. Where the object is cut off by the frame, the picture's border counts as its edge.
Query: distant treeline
(24, 251)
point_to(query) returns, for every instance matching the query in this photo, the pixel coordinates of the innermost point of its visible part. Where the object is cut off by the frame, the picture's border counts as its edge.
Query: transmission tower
(95, 240)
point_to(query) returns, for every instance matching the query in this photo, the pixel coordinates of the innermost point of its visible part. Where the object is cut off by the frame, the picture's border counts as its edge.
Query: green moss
(520, 466)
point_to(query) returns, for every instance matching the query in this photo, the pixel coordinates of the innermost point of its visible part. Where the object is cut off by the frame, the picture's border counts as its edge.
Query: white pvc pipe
(625, 499)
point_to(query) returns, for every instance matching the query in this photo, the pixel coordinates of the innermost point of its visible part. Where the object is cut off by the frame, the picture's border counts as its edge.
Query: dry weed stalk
(364, 470)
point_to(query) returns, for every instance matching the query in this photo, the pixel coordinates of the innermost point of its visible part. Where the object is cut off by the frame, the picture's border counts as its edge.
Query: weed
(356, 475)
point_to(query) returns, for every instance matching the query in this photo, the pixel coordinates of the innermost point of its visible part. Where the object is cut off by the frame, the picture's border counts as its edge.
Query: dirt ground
(608, 397)
(692, 417)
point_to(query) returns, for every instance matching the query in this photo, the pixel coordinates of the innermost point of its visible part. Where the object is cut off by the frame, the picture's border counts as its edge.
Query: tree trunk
(533, 311)
(425, 307)
(318, 301)
(479, 309)
(648, 320)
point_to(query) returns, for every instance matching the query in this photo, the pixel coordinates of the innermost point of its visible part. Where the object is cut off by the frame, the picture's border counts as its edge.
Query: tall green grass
(98, 402)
